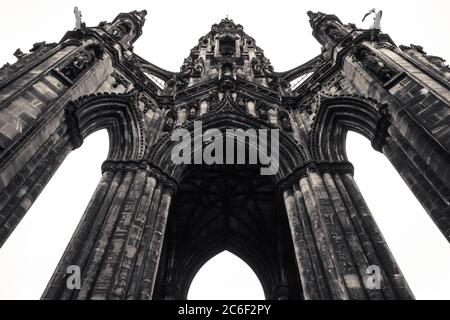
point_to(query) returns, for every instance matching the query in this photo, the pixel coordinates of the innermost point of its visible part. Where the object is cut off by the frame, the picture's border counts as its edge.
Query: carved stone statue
(78, 16)
(377, 18)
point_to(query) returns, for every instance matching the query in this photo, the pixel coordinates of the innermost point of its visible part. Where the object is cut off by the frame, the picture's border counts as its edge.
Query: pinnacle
(315, 15)
(140, 14)
(227, 24)
(227, 20)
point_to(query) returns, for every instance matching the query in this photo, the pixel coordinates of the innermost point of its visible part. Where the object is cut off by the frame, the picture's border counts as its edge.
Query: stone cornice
(151, 169)
(342, 167)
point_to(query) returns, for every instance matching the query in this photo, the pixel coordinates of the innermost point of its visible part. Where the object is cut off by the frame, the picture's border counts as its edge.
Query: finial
(18, 54)
(313, 16)
(141, 14)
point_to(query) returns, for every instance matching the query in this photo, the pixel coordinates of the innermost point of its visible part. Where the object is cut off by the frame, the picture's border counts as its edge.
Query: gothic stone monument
(151, 224)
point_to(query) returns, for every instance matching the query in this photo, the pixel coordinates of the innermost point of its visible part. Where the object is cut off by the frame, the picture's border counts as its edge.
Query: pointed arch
(251, 283)
(118, 114)
(228, 116)
(211, 249)
(219, 208)
(339, 114)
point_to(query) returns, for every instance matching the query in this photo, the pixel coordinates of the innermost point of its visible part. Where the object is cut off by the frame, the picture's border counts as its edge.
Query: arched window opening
(226, 277)
(298, 81)
(156, 80)
(421, 251)
(227, 46)
(30, 255)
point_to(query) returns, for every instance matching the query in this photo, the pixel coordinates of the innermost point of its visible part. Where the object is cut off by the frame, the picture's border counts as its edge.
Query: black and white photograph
(224, 155)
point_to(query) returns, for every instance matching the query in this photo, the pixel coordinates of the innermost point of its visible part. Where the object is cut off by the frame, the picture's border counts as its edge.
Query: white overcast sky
(281, 28)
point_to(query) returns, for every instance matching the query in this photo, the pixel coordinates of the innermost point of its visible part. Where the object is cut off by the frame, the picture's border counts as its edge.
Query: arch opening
(408, 230)
(30, 255)
(299, 80)
(227, 208)
(342, 120)
(283, 159)
(225, 277)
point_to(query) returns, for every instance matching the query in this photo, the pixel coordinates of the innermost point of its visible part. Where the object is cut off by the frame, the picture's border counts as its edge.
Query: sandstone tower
(150, 225)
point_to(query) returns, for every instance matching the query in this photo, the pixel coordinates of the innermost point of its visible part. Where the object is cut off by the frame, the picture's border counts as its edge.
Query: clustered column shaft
(119, 239)
(336, 238)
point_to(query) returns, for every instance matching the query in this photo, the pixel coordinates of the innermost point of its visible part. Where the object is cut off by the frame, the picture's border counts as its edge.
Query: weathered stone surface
(151, 224)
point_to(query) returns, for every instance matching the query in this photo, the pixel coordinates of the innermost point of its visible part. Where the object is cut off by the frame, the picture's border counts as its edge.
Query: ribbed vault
(230, 208)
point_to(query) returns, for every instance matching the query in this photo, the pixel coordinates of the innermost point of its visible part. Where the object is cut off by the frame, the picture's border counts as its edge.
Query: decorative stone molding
(82, 61)
(121, 106)
(381, 132)
(374, 64)
(343, 167)
(141, 165)
(436, 61)
(38, 52)
(120, 80)
(73, 128)
(327, 132)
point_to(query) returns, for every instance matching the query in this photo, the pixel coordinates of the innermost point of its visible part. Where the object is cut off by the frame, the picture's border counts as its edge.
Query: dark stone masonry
(151, 224)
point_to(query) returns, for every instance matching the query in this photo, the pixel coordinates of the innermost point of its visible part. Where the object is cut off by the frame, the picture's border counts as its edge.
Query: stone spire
(226, 51)
(315, 16)
(127, 27)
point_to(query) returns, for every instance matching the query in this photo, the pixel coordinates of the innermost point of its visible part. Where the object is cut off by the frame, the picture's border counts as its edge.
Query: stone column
(418, 101)
(26, 185)
(427, 185)
(119, 239)
(336, 238)
(33, 100)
